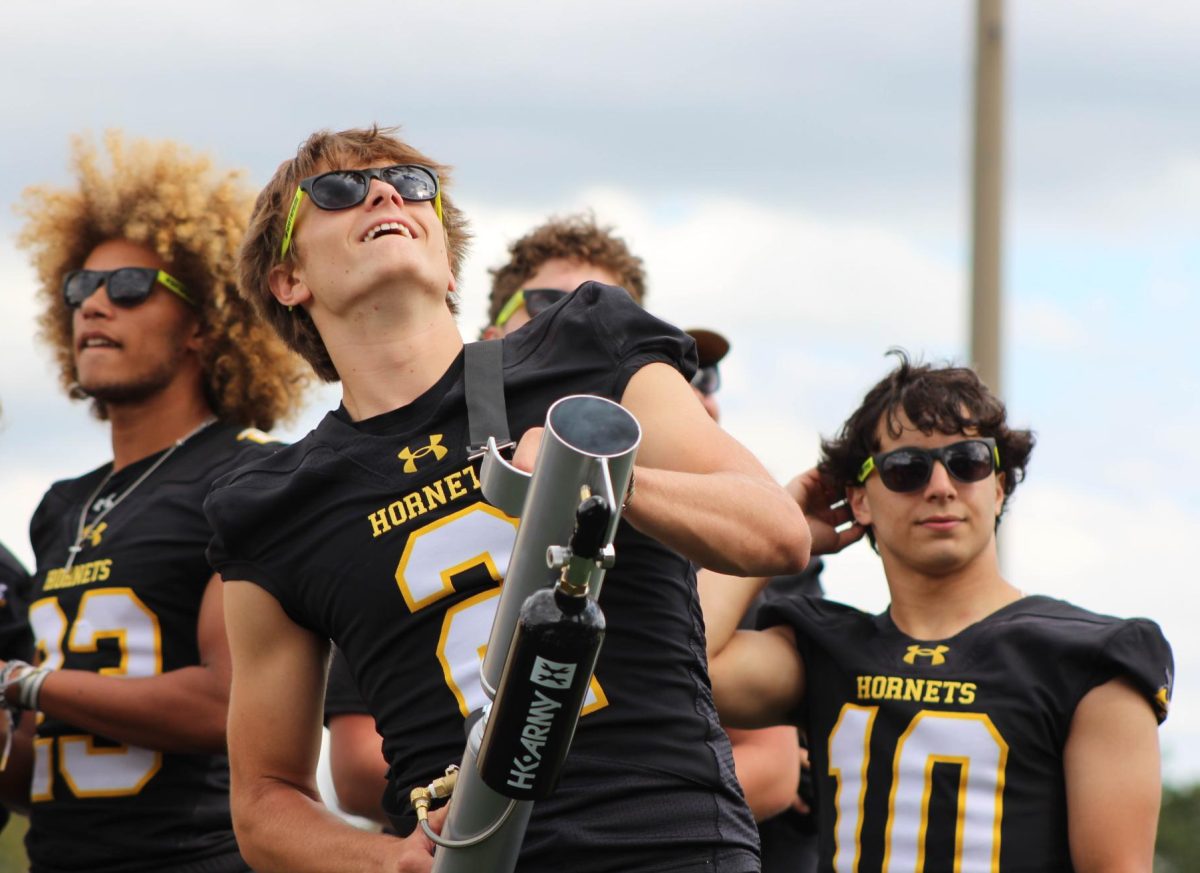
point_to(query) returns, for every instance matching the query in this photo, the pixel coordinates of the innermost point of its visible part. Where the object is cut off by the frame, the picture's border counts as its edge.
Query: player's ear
(860, 504)
(1000, 480)
(286, 286)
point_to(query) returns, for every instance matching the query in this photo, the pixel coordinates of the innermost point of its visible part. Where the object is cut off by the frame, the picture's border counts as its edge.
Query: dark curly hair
(946, 399)
(176, 203)
(573, 238)
(326, 150)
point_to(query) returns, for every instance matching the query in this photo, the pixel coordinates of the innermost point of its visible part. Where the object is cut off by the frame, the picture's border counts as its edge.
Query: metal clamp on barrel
(569, 516)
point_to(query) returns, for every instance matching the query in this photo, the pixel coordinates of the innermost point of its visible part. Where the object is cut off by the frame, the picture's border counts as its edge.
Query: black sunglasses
(909, 468)
(535, 300)
(341, 189)
(127, 286)
(707, 380)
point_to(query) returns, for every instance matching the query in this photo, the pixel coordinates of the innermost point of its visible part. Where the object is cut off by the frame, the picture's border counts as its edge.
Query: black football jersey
(948, 755)
(376, 535)
(129, 606)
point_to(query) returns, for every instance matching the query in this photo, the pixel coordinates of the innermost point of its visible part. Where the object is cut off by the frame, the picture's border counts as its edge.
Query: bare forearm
(729, 522)
(180, 711)
(284, 829)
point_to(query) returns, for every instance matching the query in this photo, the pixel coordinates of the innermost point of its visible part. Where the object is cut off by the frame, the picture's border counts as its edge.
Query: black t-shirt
(375, 534)
(129, 606)
(928, 738)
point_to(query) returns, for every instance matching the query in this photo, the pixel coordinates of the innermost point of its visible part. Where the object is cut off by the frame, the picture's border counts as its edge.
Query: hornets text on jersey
(948, 754)
(375, 534)
(129, 605)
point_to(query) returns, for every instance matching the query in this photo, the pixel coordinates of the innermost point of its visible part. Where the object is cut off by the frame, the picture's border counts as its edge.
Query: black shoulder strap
(483, 377)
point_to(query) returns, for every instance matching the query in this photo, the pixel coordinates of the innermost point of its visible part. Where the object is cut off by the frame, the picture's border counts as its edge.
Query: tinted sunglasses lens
(906, 471)
(707, 380)
(412, 183)
(338, 190)
(79, 285)
(969, 462)
(538, 300)
(130, 286)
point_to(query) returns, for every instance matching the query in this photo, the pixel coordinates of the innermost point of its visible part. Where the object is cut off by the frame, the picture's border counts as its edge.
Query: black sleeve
(1138, 652)
(600, 329)
(16, 638)
(342, 696)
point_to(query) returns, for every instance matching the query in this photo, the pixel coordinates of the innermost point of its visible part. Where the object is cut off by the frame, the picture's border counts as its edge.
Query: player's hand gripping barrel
(548, 670)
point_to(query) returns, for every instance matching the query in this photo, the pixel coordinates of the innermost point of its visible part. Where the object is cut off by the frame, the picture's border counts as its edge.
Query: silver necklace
(113, 502)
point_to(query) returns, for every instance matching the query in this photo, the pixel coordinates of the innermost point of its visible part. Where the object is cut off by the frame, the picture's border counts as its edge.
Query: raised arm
(699, 491)
(181, 710)
(274, 742)
(1114, 784)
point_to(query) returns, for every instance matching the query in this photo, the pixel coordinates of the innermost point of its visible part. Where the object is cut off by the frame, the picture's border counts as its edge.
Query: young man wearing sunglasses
(544, 266)
(970, 726)
(372, 532)
(127, 771)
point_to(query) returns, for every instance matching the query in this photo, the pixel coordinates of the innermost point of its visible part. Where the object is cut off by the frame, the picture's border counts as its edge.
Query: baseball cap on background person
(711, 347)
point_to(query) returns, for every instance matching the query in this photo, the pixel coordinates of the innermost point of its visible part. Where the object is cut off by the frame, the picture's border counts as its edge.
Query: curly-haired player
(971, 726)
(136, 264)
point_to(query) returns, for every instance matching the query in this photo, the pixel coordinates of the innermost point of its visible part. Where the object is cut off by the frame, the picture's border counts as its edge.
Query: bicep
(677, 433)
(1111, 765)
(278, 690)
(758, 678)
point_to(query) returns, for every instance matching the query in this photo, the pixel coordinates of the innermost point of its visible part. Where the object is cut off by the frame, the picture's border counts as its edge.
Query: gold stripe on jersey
(416, 503)
(915, 690)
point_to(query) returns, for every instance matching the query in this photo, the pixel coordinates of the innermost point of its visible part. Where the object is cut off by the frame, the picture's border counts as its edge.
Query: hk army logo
(936, 655)
(435, 448)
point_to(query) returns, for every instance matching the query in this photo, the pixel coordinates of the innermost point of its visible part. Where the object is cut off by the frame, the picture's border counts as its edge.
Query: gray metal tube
(588, 441)
(474, 808)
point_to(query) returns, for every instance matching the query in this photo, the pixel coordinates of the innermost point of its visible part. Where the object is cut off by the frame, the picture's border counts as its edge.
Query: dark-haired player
(128, 770)
(970, 727)
(372, 532)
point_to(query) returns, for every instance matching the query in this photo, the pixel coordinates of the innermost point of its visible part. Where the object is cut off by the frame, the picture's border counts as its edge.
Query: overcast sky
(795, 175)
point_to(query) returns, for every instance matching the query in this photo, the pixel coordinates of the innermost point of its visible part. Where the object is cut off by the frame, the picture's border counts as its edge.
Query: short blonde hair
(164, 197)
(326, 150)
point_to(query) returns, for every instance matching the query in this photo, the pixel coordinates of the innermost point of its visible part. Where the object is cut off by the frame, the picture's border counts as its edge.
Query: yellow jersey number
(967, 740)
(91, 770)
(478, 536)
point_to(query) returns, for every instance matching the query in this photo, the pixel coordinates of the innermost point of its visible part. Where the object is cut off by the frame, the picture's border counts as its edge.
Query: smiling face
(945, 527)
(344, 255)
(129, 354)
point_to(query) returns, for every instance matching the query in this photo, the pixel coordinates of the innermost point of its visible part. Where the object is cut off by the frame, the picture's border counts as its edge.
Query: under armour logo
(435, 448)
(551, 674)
(936, 655)
(94, 532)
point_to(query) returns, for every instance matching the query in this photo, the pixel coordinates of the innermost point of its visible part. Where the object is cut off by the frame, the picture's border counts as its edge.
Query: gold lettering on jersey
(912, 690)
(435, 448)
(936, 655)
(80, 574)
(414, 504)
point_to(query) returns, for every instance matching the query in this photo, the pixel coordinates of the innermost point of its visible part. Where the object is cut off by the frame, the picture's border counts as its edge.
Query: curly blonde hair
(326, 150)
(172, 201)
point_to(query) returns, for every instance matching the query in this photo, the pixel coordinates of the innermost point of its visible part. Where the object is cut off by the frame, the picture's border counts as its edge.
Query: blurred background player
(971, 726)
(136, 269)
